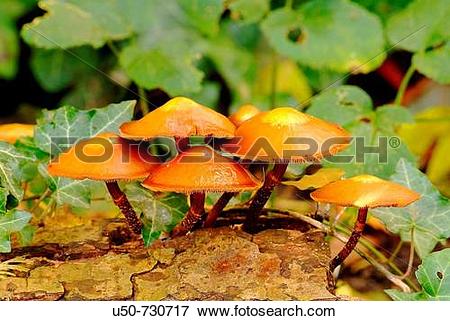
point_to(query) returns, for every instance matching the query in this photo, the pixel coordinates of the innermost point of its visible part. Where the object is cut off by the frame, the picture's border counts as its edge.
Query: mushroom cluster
(273, 139)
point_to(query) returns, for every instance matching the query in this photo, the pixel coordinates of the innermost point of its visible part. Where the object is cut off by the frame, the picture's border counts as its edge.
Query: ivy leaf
(9, 49)
(353, 36)
(75, 23)
(423, 27)
(160, 214)
(225, 52)
(13, 9)
(10, 159)
(172, 70)
(389, 117)
(434, 277)
(428, 218)
(249, 11)
(423, 24)
(3, 200)
(435, 63)
(352, 108)
(163, 54)
(76, 193)
(67, 124)
(57, 69)
(203, 14)
(343, 105)
(12, 222)
(384, 8)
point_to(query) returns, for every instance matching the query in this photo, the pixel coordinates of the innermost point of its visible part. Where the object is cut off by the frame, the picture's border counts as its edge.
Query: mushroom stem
(182, 143)
(273, 178)
(352, 241)
(217, 208)
(194, 214)
(121, 200)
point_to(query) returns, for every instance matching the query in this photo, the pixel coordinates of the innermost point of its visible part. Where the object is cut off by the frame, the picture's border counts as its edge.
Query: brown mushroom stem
(352, 241)
(182, 143)
(218, 208)
(194, 214)
(273, 178)
(121, 200)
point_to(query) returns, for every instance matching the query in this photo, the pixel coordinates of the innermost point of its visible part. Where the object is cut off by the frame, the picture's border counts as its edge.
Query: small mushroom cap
(365, 191)
(201, 169)
(12, 132)
(286, 135)
(245, 112)
(105, 157)
(179, 117)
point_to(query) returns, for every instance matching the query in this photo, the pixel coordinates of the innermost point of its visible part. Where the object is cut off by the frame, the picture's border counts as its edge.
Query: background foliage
(225, 53)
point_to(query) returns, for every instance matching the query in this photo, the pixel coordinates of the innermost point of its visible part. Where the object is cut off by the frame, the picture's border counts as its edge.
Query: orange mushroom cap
(12, 132)
(245, 112)
(365, 191)
(266, 137)
(179, 117)
(105, 157)
(201, 169)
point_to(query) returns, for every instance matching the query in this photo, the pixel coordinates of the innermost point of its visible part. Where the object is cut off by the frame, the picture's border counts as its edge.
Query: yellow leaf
(289, 79)
(320, 178)
(438, 169)
(430, 125)
(11, 132)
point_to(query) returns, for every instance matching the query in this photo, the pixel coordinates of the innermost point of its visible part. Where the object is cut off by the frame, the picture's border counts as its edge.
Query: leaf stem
(143, 101)
(289, 3)
(411, 257)
(404, 84)
(113, 48)
(46, 194)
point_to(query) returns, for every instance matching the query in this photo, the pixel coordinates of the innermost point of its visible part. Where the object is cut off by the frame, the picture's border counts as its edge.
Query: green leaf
(423, 24)
(9, 49)
(352, 108)
(424, 28)
(26, 235)
(249, 11)
(428, 218)
(434, 277)
(435, 63)
(10, 159)
(208, 95)
(402, 296)
(352, 35)
(366, 134)
(76, 193)
(389, 117)
(57, 69)
(225, 52)
(3, 200)
(172, 70)
(343, 105)
(11, 222)
(67, 124)
(13, 9)
(160, 214)
(75, 23)
(384, 8)
(203, 14)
